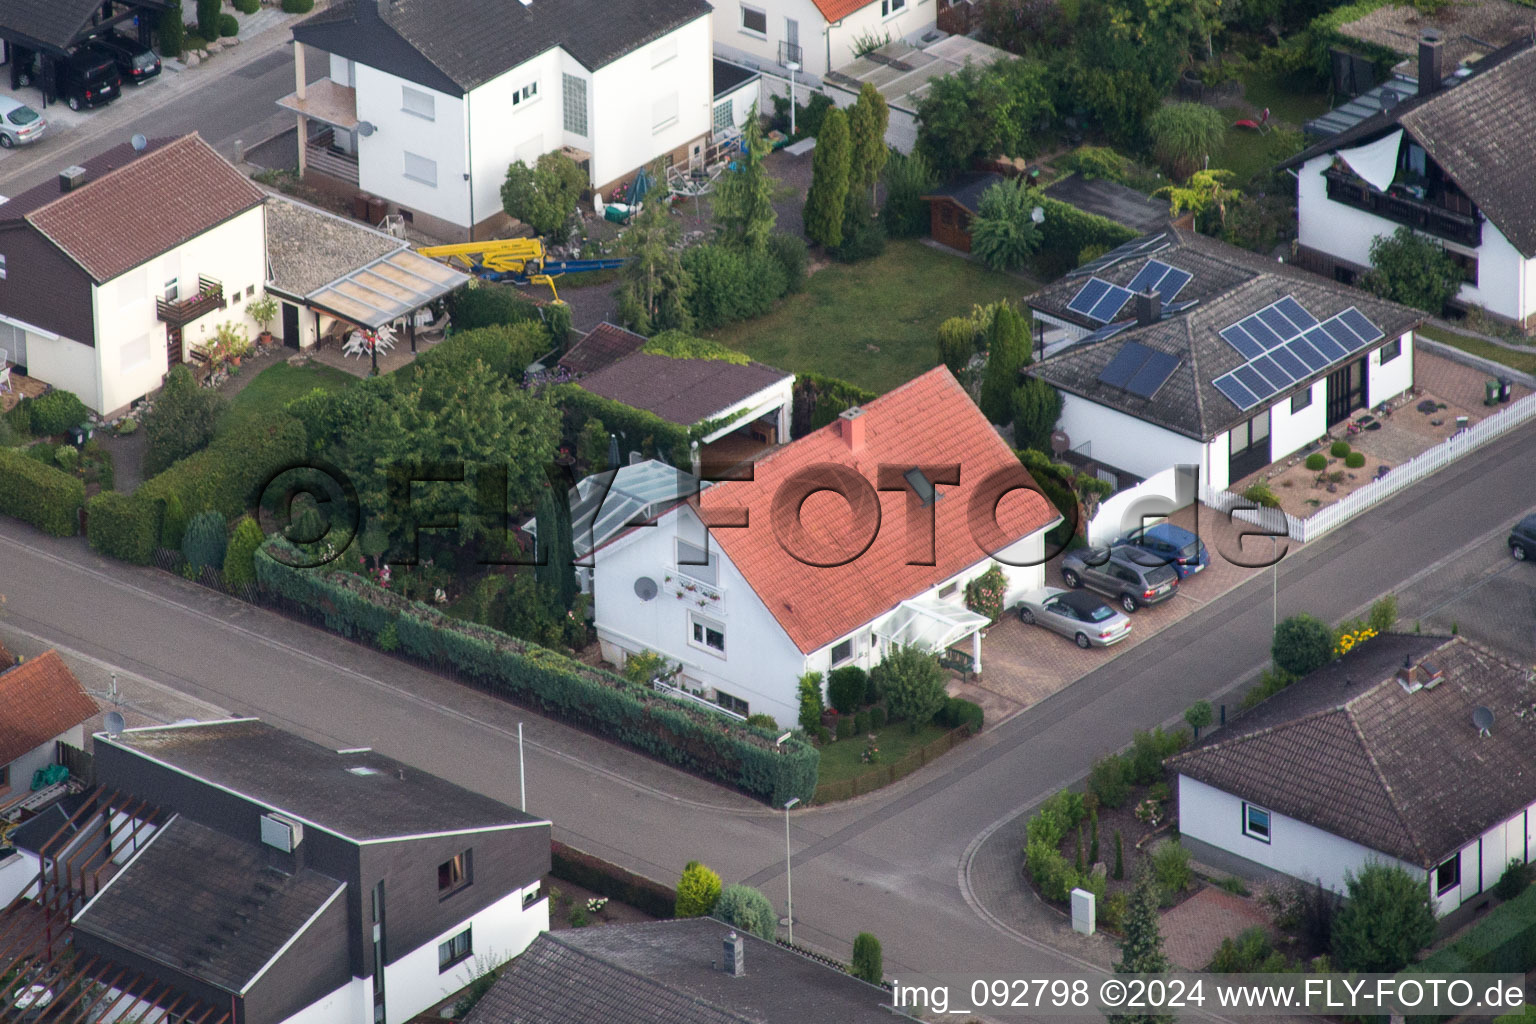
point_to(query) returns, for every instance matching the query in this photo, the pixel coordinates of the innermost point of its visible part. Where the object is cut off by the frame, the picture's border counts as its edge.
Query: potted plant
(263, 311)
(228, 343)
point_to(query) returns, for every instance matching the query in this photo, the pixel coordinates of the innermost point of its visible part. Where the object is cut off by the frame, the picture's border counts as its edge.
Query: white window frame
(703, 626)
(707, 572)
(853, 652)
(407, 157)
(172, 290)
(468, 937)
(664, 52)
(754, 33)
(1396, 345)
(525, 95)
(667, 119)
(1269, 823)
(891, 8)
(425, 103)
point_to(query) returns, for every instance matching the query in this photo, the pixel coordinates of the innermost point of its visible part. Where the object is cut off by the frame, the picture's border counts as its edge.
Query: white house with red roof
(820, 35)
(850, 541)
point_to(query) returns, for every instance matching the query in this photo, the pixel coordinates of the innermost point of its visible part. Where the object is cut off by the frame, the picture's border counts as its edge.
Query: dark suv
(89, 78)
(136, 62)
(1131, 577)
(1522, 539)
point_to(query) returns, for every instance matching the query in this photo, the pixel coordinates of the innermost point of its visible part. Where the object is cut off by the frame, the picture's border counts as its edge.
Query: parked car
(89, 78)
(19, 123)
(1076, 614)
(1131, 577)
(1175, 545)
(136, 62)
(1522, 539)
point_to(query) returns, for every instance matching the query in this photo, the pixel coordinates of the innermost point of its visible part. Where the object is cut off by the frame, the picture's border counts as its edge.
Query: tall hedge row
(46, 497)
(638, 430)
(819, 400)
(123, 526)
(1067, 231)
(1504, 942)
(607, 704)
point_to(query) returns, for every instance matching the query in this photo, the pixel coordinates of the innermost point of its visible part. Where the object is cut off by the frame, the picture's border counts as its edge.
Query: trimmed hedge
(48, 498)
(609, 705)
(572, 865)
(1504, 942)
(958, 711)
(638, 430)
(820, 399)
(1067, 231)
(123, 526)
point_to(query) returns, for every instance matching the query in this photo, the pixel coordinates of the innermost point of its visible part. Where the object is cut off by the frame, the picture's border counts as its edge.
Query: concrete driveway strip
(886, 863)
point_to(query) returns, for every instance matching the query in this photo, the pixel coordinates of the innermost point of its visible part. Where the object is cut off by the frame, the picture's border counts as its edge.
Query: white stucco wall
(500, 932)
(823, 46)
(381, 156)
(1128, 443)
(1289, 431)
(352, 1003)
(624, 93)
(1386, 381)
(18, 874)
(1505, 278)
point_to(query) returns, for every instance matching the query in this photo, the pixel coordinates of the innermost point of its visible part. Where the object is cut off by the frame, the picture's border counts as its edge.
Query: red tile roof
(39, 699)
(837, 10)
(146, 206)
(929, 421)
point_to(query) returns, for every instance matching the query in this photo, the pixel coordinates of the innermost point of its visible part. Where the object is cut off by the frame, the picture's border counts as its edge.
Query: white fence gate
(1433, 460)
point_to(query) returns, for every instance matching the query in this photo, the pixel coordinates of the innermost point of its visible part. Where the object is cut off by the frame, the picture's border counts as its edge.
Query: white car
(19, 123)
(1075, 614)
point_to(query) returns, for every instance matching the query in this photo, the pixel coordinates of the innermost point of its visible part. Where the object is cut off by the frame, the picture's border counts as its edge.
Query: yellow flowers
(1349, 641)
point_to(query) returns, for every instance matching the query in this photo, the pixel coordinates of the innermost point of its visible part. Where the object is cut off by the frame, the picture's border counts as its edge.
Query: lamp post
(793, 66)
(789, 879)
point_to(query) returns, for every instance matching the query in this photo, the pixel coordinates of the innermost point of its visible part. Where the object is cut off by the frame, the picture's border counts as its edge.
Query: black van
(89, 78)
(136, 62)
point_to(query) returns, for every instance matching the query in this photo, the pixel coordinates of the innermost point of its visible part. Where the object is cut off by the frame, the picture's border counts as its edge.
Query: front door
(1346, 391)
(172, 346)
(1248, 447)
(290, 325)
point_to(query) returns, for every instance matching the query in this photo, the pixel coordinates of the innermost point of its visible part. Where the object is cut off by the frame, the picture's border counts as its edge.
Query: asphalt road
(888, 863)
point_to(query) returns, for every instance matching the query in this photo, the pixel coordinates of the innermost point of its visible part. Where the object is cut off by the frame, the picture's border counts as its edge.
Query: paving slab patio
(1194, 930)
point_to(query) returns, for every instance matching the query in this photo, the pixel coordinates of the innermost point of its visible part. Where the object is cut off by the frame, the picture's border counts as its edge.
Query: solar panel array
(1099, 300)
(1107, 331)
(1284, 344)
(1159, 277)
(1139, 369)
(1133, 249)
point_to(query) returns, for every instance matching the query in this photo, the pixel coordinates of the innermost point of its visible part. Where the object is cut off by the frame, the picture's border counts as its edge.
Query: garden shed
(951, 208)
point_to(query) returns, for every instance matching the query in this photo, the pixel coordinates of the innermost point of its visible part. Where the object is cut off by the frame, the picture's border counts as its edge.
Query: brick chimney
(1149, 307)
(1431, 58)
(850, 423)
(735, 962)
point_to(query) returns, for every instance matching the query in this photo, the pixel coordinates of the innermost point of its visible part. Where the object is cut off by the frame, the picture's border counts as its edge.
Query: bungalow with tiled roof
(852, 540)
(1409, 750)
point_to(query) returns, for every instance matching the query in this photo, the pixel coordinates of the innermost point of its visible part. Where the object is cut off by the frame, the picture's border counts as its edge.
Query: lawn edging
(883, 775)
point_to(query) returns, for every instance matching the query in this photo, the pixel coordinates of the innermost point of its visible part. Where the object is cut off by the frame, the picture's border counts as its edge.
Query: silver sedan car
(1076, 614)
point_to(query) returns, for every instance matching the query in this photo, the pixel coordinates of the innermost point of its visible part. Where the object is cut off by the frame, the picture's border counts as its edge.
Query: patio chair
(5, 378)
(5, 357)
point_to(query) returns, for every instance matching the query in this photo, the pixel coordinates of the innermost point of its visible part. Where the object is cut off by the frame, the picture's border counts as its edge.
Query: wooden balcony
(209, 297)
(322, 156)
(1423, 214)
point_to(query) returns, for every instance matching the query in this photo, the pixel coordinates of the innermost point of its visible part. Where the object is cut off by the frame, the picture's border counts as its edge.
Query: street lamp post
(789, 879)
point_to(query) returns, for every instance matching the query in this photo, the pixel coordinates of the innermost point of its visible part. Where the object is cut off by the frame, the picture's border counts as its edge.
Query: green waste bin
(1491, 392)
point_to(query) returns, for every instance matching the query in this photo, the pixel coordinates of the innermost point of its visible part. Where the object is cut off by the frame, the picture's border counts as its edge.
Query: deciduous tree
(545, 195)
(912, 683)
(1407, 267)
(1387, 917)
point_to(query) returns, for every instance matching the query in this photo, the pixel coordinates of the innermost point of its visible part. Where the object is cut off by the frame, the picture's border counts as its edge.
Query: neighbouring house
(331, 275)
(815, 35)
(42, 704)
(1182, 350)
(1451, 162)
(951, 207)
(737, 91)
(1410, 750)
(426, 103)
(113, 272)
(845, 543)
(36, 36)
(736, 410)
(689, 971)
(232, 866)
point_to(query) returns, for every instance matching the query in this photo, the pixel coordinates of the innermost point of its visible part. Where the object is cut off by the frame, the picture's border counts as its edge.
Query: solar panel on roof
(1238, 339)
(1272, 371)
(1153, 374)
(1114, 300)
(1126, 362)
(1107, 331)
(1272, 318)
(1088, 295)
(1289, 362)
(1149, 275)
(1303, 350)
(1324, 343)
(1339, 331)
(1360, 324)
(1233, 389)
(1261, 333)
(1134, 248)
(1179, 307)
(1173, 283)
(1296, 313)
(1252, 380)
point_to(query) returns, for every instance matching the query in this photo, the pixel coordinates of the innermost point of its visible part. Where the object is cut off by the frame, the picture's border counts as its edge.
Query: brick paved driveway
(1022, 665)
(1194, 930)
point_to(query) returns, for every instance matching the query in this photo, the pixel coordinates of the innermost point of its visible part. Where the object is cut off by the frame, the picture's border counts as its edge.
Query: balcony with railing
(1403, 207)
(321, 154)
(180, 312)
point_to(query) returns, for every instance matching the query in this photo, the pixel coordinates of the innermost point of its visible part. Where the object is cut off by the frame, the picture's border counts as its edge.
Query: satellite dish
(139, 143)
(115, 724)
(1483, 718)
(365, 128)
(645, 588)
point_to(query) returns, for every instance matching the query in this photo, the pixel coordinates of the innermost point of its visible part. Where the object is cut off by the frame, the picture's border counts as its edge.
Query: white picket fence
(1276, 521)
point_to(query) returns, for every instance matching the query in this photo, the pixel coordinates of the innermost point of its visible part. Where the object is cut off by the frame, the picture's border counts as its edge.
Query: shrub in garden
(1003, 234)
(790, 253)
(66, 457)
(1317, 462)
(1354, 460)
(863, 235)
(1387, 917)
(907, 180)
(1261, 495)
(1107, 780)
(763, 721)
(958, 711)
(957, 342)
(845, 727)
(1199, 715)
(748, 909)
(48, 498)
(208, 18)
(206, 540)
(845, 688)
(247, 6)
(1302, 643)
(545, 195)
(240, 558)
(1008, 352)
(984, 594)
(1036, 406)
(1516, 876)
(56, 412)
(1144, 764)
(1339, 449)
(861, 722)
(183, 421)
(298, 6)
(1183, 135)
(1383, 614)
(172, 30)
(489, 305)
(1170, 866)
(1252, 952)
(811, 706)
(1119, 869)
(828, 194)
(868, 961)
(173, 523)
(877, 718)
(697, 891)
(912, 684)
(1093, 836)
(123, 526)
(506, 348)
(229, 25)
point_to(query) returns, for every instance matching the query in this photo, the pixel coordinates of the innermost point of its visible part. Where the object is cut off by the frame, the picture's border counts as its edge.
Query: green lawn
(843, 759)
(874, 324)
(1523, 361)
(1247, 153)
(1291, 99)
(276, 386)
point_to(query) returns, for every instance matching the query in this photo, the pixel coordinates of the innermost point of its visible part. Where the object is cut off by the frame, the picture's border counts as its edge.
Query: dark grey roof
(681, 391)
(1111, 200)
(205, 904)
(53, 24)
(728, 76)
(1229, 284)
(1477, 131)
(1395, 90)
(52, 820)
(605, 344)
(966, 189)
(308, 248)
(454, 46)
(668, 971)
(1353, 753)
(313, 783)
